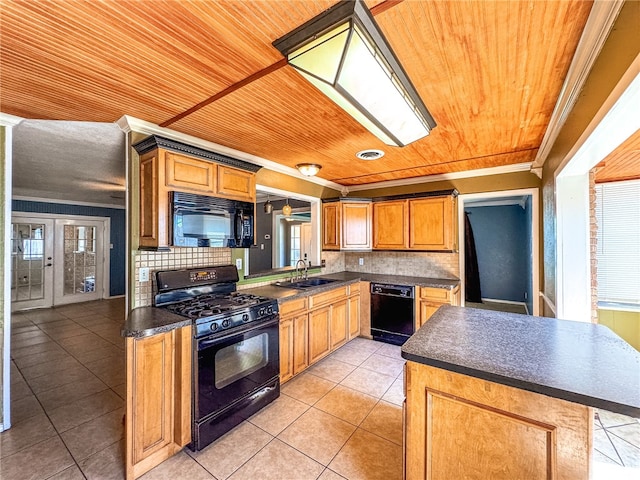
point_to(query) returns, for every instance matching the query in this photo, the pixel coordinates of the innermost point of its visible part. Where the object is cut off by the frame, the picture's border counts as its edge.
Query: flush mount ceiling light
(344, 54)
(308, 169)
(286, 210)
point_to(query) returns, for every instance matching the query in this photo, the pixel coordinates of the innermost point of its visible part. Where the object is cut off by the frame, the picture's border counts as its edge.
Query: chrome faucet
(299, 273)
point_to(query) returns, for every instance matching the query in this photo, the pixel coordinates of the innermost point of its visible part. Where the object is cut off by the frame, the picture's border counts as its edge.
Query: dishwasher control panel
(392, 290)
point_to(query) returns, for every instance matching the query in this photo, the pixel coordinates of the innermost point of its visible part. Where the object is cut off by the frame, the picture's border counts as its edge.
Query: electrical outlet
(143, 274)
(239, 263)
(525, 295)
(361, 261)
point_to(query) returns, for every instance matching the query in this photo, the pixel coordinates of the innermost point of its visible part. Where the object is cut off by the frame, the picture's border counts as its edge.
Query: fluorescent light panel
(345, 55)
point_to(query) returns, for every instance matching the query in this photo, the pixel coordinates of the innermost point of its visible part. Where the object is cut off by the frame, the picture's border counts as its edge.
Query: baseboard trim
(508, 302)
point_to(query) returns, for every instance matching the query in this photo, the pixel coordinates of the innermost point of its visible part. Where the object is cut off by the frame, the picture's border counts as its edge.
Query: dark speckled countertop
(576, 361)
(147, 321)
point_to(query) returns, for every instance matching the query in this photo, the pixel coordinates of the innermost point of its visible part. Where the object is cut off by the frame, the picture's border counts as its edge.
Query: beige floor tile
(30, 360)
(24, 434)
(368, 457)
(59, 396)
(110, 370)
(107, 464)
(307, 388)
(351, 355)
(71, 473)
(600, 457)
(95, 435)
(389, 350)
(347, 404)
(67, 332)
(177, 467)
(49, 367)
(385, 420)
(395, 393)
(317, 435)
(369, 382)
(47, 347)
(87, 339)
(385, 365)
(76, 413)
(229, 452)
(98, 353)
(629, 454)
(38, 461)
(25, 408)
(32, 342)
(58, 326)
(19, 389)
(329, 474)
(279, 414)
(602, 443)
(76, 374)
(121, 390)
(332, 369)
(279, 461)
(630, 433)
(44, 316)
(610, 419)
(78, 349)
(365, 345)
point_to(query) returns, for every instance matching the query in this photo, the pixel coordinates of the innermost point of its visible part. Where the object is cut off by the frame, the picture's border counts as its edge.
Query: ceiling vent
(370, 154)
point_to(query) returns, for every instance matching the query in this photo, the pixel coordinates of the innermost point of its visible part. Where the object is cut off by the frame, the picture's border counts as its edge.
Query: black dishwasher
(392, 313)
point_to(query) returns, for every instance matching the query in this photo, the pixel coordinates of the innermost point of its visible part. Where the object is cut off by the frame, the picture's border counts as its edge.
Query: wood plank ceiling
(490, 73)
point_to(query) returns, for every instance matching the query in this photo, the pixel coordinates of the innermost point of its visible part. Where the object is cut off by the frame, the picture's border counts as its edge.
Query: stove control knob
(245, 317)
(270, 310)
(225, 323)
(214, 327)
(261, 312)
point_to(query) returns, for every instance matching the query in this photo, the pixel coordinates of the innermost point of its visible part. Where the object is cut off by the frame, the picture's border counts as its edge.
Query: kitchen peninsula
(503, 396)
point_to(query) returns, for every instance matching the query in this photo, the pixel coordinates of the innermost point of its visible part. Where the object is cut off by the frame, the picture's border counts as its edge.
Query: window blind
(618, 250)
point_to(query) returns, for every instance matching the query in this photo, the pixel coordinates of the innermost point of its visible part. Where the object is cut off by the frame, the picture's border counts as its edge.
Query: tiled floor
(342, 418)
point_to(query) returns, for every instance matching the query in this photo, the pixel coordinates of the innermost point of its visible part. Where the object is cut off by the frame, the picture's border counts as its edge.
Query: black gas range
(236, 363)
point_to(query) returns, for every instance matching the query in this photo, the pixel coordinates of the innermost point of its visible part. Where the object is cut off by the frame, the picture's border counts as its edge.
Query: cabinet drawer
(326, 297)
(354, 288)
(292, 306)
(435, 294)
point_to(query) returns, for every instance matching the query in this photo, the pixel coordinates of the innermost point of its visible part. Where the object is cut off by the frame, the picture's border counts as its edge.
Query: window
(618, 253)
(295, 243)
(33, 248)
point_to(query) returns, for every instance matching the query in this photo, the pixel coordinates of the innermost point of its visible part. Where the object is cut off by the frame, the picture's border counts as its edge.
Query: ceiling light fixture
(370, 154)
(286, 210)
(268, 206)
(345, 55)
(308, 169)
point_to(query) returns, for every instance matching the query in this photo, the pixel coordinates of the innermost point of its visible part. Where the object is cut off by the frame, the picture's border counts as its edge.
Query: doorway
(506, 231)
(57, 260)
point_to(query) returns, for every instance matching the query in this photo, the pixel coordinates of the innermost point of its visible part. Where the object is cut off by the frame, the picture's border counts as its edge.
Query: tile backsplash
(415, 264)
(174, 259)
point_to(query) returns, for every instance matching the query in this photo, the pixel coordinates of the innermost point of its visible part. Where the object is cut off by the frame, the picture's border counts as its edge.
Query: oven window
(241, 359)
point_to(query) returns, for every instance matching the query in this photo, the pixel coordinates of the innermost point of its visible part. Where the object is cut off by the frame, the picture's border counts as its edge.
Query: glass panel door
(31, 259)
(79, 272)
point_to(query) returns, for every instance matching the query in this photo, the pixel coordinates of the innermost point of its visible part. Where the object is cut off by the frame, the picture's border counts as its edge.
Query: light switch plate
(143, 274)
(239, 263)
(361, 261)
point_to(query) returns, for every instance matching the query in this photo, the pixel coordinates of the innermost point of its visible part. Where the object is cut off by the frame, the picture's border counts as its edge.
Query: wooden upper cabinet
(346, 225)
(432, 223)
(236, 184)
(356, 226)
(391, 225)
(154, 206)
(331, 226)
(190, 174)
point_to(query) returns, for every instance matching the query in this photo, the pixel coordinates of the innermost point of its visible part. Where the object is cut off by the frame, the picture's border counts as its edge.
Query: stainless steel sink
(304, 284)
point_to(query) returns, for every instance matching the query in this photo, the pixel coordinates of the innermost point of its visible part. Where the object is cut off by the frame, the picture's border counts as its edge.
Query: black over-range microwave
(201, 221)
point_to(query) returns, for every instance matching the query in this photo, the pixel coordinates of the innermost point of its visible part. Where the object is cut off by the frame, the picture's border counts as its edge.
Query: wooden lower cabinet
(431, 299)
(309, 334)
(158, 410)
(457, 426)
(319, 333)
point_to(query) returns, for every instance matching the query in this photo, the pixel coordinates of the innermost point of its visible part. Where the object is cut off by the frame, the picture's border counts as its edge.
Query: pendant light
(268, 206)
(286, 210)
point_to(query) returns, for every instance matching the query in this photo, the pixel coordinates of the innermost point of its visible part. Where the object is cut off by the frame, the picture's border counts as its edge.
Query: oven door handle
(209, 342)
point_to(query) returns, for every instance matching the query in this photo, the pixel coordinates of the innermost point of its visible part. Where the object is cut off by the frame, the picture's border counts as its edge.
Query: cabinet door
(300, 343)
(339, 324)
(331, 213)
(426, 310)
(354, 316)
(150, 370)
(236, 184)
(286, 350)
(154, 205)
(356, 226)
(319, 333)
(190, 174)
(390, 225)
(431, 223)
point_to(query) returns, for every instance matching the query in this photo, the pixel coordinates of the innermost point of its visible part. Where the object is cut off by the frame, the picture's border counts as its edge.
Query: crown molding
(131, 124)
(7, 120)
(481, 172)
(599, 24)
